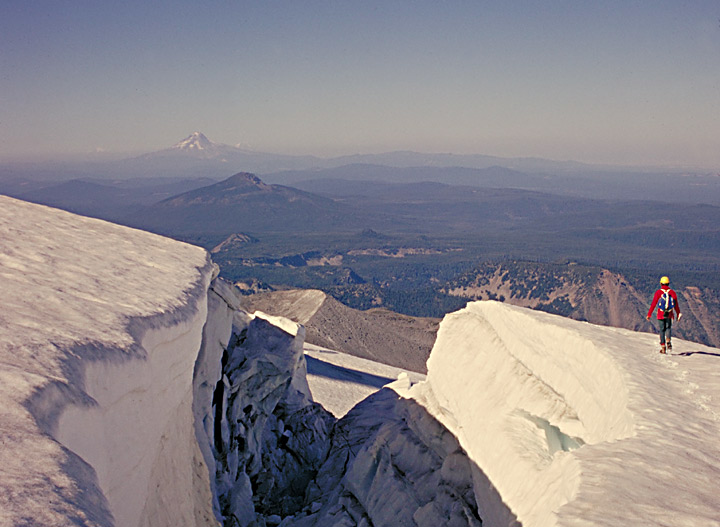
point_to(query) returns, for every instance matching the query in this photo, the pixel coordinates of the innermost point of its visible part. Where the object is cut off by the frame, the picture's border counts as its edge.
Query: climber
(667, 304)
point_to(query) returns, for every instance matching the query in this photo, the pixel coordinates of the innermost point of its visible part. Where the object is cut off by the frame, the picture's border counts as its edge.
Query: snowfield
(135, 392)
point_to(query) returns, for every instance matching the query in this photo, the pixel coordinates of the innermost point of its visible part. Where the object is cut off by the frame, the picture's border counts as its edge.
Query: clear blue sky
(612, 81)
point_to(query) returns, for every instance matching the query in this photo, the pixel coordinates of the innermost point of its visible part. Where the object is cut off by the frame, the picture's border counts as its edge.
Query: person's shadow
(688, 353)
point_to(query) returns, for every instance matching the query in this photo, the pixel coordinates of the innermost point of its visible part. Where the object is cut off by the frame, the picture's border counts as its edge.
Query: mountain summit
(243, 203)
(233, 190)
(197, 145)
(196, 154)
(194, 142)
(243, 180)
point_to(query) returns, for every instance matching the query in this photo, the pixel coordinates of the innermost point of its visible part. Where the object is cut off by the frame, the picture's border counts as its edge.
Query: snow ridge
(576, 424)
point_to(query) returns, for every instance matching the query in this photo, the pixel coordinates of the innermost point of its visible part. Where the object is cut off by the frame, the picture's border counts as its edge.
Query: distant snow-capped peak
(195, 141)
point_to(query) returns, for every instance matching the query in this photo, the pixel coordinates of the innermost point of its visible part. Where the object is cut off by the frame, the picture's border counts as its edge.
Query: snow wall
(101, 327)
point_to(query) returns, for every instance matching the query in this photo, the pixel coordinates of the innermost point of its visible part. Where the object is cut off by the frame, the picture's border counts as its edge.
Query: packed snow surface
(99, 331)
(575, 424)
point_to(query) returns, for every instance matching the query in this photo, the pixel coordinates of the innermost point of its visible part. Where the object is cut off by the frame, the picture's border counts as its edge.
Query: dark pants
(665, 325)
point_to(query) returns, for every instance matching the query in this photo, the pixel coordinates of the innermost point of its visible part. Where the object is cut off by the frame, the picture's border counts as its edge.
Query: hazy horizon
(614, 83)
(49, 159)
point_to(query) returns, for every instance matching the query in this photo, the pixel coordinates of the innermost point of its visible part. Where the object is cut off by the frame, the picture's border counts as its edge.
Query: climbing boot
(669, 345)
(662, 348)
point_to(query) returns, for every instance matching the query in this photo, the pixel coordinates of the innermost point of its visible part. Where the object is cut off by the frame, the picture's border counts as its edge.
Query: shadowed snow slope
(99, 331)
(575, 424)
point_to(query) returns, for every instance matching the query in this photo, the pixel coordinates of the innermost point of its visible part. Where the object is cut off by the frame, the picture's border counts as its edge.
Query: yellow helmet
(664, 280)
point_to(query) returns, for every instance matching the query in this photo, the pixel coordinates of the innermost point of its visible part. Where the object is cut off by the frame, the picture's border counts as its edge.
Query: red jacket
(656, 298)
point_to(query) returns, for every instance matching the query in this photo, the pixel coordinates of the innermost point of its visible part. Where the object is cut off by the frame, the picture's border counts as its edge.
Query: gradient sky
(634, 82)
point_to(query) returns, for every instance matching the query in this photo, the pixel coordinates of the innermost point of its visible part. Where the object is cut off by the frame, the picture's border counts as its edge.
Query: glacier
(136, 392)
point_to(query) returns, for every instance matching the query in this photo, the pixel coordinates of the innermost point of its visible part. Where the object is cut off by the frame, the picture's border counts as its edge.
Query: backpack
(666, 302)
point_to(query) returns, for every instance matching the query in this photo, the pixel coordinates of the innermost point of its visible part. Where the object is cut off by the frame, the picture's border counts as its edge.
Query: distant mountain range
(204, 154)
(197, 157)
(198, 147)
(245, 203)
(665, 187)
